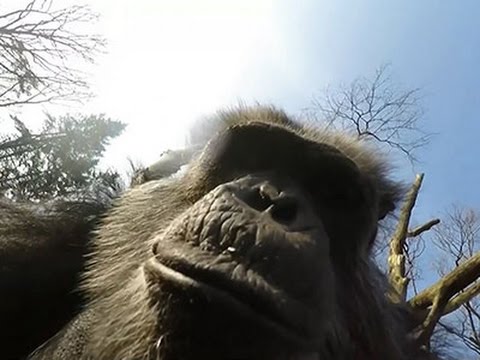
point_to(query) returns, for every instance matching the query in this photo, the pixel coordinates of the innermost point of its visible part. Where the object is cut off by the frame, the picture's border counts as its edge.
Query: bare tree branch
(438, 295)
(422, 228)
(39, 46)
(375, 109)
(462, 298)
(396, 258)
(458, 239)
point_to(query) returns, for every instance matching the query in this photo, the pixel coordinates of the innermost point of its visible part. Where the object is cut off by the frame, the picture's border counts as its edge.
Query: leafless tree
(43, 50)
(459, 273)
(458, 239)
(374, 108)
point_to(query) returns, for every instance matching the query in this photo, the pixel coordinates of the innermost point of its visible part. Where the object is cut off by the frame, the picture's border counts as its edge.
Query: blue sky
(172, 61)
(430, 44)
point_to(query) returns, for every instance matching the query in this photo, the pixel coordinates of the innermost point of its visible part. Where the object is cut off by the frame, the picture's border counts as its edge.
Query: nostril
(257, 200)
(284, 210)
(282, 207)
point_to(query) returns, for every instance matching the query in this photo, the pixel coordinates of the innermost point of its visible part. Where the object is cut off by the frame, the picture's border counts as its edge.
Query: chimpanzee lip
(261, 309)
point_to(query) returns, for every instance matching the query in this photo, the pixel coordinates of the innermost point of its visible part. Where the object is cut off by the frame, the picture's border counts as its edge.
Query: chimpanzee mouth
(261, 307)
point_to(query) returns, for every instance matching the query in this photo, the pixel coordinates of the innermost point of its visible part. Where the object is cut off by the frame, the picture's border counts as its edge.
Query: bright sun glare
(170, 62)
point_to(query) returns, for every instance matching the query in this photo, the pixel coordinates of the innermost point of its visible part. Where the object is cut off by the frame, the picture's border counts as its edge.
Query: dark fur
(136, 311)
(42, 249)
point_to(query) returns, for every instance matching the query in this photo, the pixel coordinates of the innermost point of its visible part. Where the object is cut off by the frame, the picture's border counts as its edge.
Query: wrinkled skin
(259, 251)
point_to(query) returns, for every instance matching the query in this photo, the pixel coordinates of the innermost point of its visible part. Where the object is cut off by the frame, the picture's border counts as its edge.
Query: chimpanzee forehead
(258, 146)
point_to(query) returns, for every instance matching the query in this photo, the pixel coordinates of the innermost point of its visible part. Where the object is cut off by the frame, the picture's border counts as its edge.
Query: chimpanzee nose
(282, 205)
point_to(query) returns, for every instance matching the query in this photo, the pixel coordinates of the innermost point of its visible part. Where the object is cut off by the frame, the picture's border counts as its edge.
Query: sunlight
(169, 62)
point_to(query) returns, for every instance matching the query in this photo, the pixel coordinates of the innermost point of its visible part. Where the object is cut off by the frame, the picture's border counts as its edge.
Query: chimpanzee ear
(390, 195)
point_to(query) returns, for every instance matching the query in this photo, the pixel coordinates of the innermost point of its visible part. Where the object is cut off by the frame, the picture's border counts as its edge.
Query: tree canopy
(59, 161)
